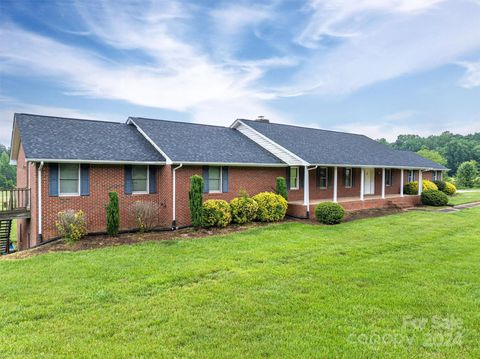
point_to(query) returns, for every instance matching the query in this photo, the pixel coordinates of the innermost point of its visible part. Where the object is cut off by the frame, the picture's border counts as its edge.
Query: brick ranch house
(67, 163)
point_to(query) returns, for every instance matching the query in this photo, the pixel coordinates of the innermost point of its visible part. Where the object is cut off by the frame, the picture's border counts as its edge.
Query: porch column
(335, 176)
(401, 182)
(306, 190)
(420, 184)
(362, 184)
(383, 183)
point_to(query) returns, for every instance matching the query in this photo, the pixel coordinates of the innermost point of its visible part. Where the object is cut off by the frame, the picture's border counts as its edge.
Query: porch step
(5, 230)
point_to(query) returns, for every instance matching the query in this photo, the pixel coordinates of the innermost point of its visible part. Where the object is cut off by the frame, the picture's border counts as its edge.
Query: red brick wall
(103, 179)
(252, 179)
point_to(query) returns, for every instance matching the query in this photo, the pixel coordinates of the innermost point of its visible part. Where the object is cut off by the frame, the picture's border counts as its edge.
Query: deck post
(335, 185)
(306, 190)
(401, 182)
(362, 184)
(420, 182)
(383, 183)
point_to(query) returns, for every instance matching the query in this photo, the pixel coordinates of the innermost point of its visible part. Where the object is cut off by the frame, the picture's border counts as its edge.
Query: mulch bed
(101, 241)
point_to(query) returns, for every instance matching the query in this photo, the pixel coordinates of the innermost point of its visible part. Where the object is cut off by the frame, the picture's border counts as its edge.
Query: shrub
(450, 189)
(113, 214)
(281, 187)
(216, 213)
(244, 209)
(412, 187)
(145, 214)
(329, 213)
(433, 197)
(476, 182)
(440, 185)
(466, 173)
(195, 200)
(71, 225)
(271, 207)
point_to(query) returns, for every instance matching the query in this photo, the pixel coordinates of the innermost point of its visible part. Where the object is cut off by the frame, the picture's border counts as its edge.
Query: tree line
(8, 173)
(448, 149)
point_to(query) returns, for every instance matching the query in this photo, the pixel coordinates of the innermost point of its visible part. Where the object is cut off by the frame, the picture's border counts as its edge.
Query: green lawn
(286, 290)
(465, 197)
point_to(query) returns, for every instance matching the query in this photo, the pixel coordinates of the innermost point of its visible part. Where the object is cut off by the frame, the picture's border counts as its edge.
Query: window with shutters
(322, 177)
(69, 179)
(294, 178)
(214, 179)
(139, 179)
(348, 177)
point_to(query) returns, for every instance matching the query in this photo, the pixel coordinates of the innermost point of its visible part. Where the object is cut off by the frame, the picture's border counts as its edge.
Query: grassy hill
(406, 285)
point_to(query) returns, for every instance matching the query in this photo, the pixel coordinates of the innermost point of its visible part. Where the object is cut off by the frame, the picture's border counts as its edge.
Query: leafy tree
(432, 155)
(8, 173)
(466, 174)
(195, 199)
(113, 214)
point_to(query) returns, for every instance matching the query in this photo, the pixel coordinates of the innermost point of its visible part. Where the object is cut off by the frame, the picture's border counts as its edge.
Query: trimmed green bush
(271, 207)
(216, 213)
(435, 198)
(281, 187)
(243, 209)
(450, 189)
(195, 199)
(113, 214)
(440, 185)
(329, 213)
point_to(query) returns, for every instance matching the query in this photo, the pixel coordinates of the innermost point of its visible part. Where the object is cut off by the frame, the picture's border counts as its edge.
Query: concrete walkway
(458, 207)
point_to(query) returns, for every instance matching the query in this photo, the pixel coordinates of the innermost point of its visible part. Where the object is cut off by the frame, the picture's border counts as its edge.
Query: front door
(369, 185)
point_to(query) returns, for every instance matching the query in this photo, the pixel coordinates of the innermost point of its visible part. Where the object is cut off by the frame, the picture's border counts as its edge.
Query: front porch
(298, 208)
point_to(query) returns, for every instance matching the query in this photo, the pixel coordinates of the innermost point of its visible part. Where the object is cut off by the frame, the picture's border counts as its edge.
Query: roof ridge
(68, 118)
(307, 128)
(176, 121)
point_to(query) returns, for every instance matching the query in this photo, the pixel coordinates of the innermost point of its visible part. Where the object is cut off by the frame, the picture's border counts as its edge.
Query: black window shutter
(317, 177)
(53, 179)
(344, 176)
(329, 176)
(301, 176)
(84, 179)
(287, 178)
(353, 176)
(205, 179)
(128, 179)
(152, 179)
(224, 179)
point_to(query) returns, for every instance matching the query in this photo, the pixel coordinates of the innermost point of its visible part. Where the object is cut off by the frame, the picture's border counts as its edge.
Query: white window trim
(344, 180)
(297, 181)
(326, 178)
(387, 176)
(221, 180)
(411, 174)
(73, 194)
(148, 182)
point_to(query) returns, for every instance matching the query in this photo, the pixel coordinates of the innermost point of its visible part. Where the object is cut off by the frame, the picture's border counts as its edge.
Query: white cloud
(472, 74)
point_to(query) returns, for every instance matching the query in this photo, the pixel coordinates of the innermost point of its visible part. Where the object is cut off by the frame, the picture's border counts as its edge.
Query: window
(139, 179)
(322, 177)
(348, 177)
(294, 178)
(434, 175)
(69, 179)
(411, 176)
(388, 177)
(215, 179)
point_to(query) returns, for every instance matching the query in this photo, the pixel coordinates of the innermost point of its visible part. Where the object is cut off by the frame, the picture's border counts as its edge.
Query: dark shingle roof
(45, 137)
(330, 147)
(190, 142)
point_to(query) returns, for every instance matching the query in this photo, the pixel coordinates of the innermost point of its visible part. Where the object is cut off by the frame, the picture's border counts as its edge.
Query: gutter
(174, 189)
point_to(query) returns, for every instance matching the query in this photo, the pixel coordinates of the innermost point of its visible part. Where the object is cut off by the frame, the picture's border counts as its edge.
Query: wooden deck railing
(12, 200)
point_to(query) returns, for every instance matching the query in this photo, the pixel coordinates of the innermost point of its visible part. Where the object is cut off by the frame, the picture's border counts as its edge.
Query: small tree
(466, 173)
(113, 214)
(195, 200)
(281, 188)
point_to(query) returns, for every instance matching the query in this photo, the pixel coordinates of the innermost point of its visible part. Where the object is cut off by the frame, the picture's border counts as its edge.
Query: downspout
(174, 216)
(39, 195)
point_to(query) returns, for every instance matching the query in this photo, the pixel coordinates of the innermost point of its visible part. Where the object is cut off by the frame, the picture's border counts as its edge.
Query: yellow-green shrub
(216, 213)
(271, 207)
(243, 209)
(71, 225)
(412, 187)
(449, 189)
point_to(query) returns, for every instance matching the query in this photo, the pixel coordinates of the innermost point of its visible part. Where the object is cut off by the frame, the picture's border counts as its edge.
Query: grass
(465, 197)
(286, 290)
